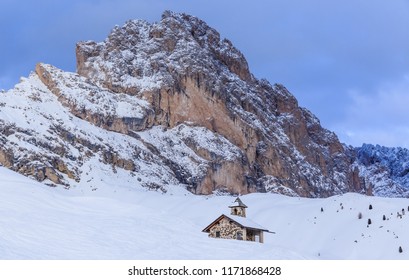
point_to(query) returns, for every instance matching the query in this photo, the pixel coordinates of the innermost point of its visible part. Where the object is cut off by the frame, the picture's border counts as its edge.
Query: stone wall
(228, 229)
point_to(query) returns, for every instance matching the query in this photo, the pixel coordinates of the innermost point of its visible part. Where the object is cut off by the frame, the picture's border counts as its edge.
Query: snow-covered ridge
(385, 169)
(84, 96)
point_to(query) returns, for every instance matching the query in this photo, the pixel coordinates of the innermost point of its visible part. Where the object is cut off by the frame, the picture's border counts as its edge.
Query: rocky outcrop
(173, 100)
(96, 105)
(6, 158)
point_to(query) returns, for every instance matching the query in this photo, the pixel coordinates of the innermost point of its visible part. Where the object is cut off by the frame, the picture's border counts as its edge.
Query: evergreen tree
(370, 206)
(369, 221)
(384, 217)
(400, 249)
(359, 215)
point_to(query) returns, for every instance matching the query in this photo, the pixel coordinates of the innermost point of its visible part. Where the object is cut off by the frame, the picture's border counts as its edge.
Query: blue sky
(346, 61)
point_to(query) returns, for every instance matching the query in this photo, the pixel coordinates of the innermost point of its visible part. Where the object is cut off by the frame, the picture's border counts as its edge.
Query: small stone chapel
(236, 225)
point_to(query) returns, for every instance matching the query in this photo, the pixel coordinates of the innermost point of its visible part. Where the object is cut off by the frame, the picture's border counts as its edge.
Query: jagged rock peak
(209, 38)
(141, 56)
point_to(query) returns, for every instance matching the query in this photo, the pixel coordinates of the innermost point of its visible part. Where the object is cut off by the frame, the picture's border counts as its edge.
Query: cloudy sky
(346, 61)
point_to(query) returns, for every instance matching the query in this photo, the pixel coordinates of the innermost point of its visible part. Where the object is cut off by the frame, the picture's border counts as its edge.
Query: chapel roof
(244, 222)
(238, 203)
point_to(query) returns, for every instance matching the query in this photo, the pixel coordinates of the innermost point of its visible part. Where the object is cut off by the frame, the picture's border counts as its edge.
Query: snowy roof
(244, 222)
(238, 203)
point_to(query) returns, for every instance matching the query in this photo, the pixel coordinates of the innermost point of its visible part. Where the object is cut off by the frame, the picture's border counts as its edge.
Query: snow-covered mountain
(385, 169)
(38, 222)
(169, 104)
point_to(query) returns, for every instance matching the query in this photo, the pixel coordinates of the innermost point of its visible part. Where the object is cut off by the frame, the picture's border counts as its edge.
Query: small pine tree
(400, 249)
(370, 206)
(359, 215)
(322, 209)
(384, 217)
(369, 221)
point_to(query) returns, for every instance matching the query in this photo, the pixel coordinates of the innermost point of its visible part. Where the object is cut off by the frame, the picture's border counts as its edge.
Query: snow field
(116, 222)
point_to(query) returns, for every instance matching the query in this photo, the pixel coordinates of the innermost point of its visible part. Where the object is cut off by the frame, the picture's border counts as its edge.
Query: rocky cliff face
(170, 103)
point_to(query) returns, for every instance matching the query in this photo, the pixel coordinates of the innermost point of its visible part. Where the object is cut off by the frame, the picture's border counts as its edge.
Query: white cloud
(381, 118)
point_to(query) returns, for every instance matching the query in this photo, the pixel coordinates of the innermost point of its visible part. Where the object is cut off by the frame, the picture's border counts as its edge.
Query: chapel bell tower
(238, 208)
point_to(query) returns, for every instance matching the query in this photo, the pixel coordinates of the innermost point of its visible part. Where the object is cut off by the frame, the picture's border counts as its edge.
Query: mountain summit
(169, 104)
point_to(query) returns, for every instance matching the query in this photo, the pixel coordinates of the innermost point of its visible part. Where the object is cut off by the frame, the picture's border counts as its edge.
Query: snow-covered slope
(118, 222)
(42, 137)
